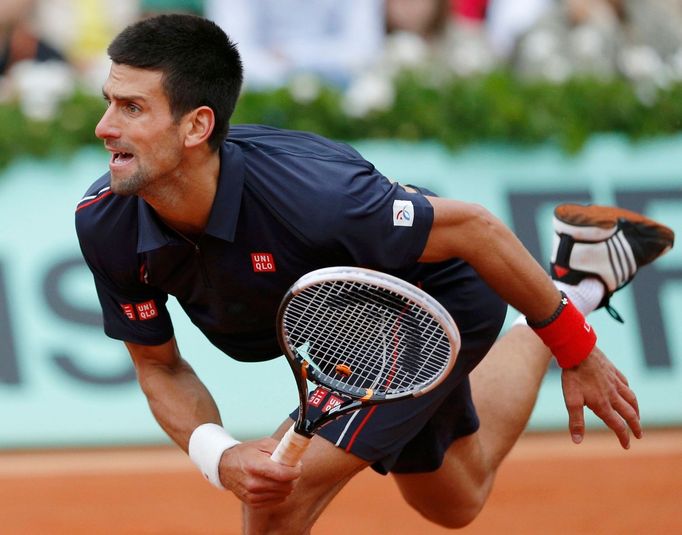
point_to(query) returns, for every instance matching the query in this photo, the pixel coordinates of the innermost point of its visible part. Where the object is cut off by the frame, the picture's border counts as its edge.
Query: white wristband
(206, 446)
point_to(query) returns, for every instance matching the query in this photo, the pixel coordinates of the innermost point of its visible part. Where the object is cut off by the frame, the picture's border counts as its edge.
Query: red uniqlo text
(332, 402)
(317, 397)
(147, 310)
(262, 262)
(129, 311)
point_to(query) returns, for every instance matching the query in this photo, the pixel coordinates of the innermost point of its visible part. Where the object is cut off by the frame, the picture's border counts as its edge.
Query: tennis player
(226, 221)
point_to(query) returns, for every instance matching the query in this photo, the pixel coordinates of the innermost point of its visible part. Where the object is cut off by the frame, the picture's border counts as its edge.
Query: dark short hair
(199, 63)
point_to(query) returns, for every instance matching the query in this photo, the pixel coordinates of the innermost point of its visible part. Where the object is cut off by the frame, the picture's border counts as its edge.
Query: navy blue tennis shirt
(286, 203)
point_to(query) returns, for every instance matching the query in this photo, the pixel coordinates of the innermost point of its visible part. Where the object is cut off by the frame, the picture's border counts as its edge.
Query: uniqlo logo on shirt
(262, 262)
(147, 310)
(129, 311)
(317, 397)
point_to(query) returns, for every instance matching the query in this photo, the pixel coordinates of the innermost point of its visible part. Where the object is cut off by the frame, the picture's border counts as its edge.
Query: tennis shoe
(605, 242)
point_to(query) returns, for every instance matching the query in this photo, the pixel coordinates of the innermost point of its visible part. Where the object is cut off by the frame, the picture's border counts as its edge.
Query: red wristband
(568, 335)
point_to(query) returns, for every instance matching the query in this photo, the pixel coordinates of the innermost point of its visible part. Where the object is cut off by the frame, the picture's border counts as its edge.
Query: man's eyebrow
(114, 96)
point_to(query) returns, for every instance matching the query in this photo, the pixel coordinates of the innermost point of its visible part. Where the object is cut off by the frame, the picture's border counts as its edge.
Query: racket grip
(291, 448)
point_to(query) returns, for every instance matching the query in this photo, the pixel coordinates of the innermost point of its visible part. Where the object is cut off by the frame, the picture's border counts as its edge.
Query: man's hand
(597, 384)
(258, 481)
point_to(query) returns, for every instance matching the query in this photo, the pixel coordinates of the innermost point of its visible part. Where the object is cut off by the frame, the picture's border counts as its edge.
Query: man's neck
(185, 201)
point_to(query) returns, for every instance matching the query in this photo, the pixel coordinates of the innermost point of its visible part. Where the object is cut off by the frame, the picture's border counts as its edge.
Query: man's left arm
(471, 232)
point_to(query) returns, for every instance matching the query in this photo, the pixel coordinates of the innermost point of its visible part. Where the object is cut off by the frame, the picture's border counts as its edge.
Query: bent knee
(453, 512)
(456, 516)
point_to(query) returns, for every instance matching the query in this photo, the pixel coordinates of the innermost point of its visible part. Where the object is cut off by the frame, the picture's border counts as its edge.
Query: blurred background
(515, 104)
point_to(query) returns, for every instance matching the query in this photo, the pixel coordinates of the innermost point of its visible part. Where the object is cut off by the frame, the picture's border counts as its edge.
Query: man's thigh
(326, 469)
(453, 494)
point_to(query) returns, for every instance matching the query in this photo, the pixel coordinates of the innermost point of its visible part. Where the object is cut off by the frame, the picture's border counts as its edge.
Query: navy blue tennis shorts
(413, 435)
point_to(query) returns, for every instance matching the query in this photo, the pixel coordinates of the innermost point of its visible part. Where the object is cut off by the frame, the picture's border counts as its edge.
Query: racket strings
(381, 340)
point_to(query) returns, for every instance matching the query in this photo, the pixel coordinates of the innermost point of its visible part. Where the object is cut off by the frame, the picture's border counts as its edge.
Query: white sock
(586, 296)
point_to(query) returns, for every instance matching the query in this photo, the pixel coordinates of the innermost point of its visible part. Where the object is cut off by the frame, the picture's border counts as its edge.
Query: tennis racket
(366, 337)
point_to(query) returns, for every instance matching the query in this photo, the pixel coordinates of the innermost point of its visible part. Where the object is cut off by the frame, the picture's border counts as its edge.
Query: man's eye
(133, 108)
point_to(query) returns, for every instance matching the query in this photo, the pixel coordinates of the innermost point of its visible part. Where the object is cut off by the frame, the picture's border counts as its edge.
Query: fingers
(257, 492)
(628, 407)
(250, 474)
(574, 405)
(611, 417)
(629, 396)
(604, 389)
(621, 413)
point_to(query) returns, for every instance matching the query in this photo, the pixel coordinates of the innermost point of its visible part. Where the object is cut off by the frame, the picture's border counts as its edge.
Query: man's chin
(124, 186)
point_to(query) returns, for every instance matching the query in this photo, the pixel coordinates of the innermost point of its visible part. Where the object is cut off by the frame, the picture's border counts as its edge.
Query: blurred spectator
(469, 10)
(641, 41)
(652, 55)
(34, 73)
(82, 29)
(574, 37)
(279, 39)
(19, 40)
(506, 20)
(440, 33)
(426, 18)
(422, 35)
(654, 23)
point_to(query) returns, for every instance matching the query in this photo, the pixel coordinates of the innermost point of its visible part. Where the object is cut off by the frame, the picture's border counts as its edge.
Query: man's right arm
(180, 403)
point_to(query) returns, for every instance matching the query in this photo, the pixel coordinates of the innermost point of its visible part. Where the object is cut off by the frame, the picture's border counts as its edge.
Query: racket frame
(353, 400)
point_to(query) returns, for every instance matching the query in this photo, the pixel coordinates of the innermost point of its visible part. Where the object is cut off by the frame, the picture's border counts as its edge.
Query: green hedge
(457, 112)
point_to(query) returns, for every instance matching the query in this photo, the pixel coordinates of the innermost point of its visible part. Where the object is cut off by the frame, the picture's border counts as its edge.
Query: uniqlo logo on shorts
(147, 310)
(332, 402)
(129, 311)
(317, 397)
(262, 262)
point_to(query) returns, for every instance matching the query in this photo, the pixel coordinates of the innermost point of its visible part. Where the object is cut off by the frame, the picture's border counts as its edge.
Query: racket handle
(291, 448)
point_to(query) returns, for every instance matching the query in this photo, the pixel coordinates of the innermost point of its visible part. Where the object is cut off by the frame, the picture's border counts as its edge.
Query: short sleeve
(135, 314)
(380, 224)
(132, 310)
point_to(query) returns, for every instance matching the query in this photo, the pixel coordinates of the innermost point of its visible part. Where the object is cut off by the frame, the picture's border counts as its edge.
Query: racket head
(365, 334)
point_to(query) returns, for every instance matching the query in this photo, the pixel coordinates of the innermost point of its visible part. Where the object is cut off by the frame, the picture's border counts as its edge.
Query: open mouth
(121, 158)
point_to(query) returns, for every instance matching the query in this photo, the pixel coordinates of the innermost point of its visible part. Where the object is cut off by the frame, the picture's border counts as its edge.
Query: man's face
(138, 130)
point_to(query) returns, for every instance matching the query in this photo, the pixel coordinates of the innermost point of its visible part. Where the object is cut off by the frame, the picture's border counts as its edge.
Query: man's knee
(449, 498)
(455, 514)
(275, 521)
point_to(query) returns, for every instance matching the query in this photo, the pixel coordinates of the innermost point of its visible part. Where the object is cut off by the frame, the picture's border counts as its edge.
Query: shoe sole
(599, 222)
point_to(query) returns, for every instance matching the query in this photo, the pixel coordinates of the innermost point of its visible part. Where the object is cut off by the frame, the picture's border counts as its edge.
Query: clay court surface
(546, 486)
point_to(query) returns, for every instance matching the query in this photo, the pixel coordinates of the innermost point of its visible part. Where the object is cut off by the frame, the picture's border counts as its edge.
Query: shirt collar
(151, 232)
(222, 221)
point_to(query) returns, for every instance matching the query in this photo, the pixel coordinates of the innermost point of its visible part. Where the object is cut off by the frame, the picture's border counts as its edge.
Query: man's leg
(504, 389)
(597, 251)
(327, 470)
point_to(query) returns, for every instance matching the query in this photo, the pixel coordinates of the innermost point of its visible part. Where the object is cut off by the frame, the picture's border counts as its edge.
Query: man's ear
(199, 126)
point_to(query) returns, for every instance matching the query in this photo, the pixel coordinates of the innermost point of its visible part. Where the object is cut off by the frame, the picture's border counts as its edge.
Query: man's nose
(106, 127)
